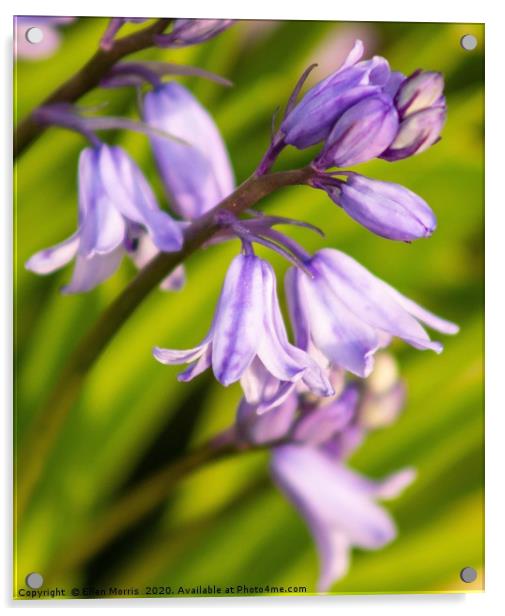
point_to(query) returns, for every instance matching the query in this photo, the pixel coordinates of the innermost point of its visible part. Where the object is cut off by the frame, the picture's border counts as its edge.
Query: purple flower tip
(388, 210)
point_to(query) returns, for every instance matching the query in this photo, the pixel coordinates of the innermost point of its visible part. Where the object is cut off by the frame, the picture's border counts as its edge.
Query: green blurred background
(227, 524)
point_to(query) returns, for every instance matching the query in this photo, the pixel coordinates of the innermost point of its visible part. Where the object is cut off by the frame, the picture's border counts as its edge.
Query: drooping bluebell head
(116, 207)
(310, 443)
(338, 504)
(347, 314)
(197, 174)
(247, 341)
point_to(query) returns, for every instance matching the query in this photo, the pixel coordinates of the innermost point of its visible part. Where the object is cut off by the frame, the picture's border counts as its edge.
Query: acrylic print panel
(316, 437)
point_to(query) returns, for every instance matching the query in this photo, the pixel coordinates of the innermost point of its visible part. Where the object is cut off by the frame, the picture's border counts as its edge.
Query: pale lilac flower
(347, 314)
(339, 505)
(116, 207)
(192, 31)
(313, 118)
(311, 440)
(51, 37)
(387, 209)
(327, 419)
(247, 341)
(265, 428)
(197, 174)
(422, 109)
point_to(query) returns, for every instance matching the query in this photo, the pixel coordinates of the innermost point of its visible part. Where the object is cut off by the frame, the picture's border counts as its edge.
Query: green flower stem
(32, 457)
(87, 78)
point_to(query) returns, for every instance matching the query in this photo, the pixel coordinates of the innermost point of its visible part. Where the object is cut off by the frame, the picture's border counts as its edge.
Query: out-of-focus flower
(50, 36)
(192, 31)
(116, 208)
(326, 418)
(197, 174)
(248, 341)
(115, 24)
(387, 209)
(347, 314)
(311, 441)
(265, 428)
(422, 109)
(338, 504)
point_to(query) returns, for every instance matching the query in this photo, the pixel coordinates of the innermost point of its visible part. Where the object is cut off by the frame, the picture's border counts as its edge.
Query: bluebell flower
(116, 208)
(338, 504)
(247, 341)
(197, 173)
(346, 313)
(311, 441)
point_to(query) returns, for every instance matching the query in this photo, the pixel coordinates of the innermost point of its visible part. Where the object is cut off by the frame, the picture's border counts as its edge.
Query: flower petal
(317, 426)
(416, 133)
(259, 428)
(331, 499)
(345, 339)
(102, 228)
(50, 259)
(199, 366)
(173, 357)
(362, 132)
(91, 271)
(197, 174)
(282, 359)
(369, 299)
(417, 311)
(129, 190)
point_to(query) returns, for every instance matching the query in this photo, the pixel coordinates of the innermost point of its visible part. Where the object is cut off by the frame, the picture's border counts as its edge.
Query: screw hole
(468, 575)
(34, 35)
(34, 580)
(468, 42)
